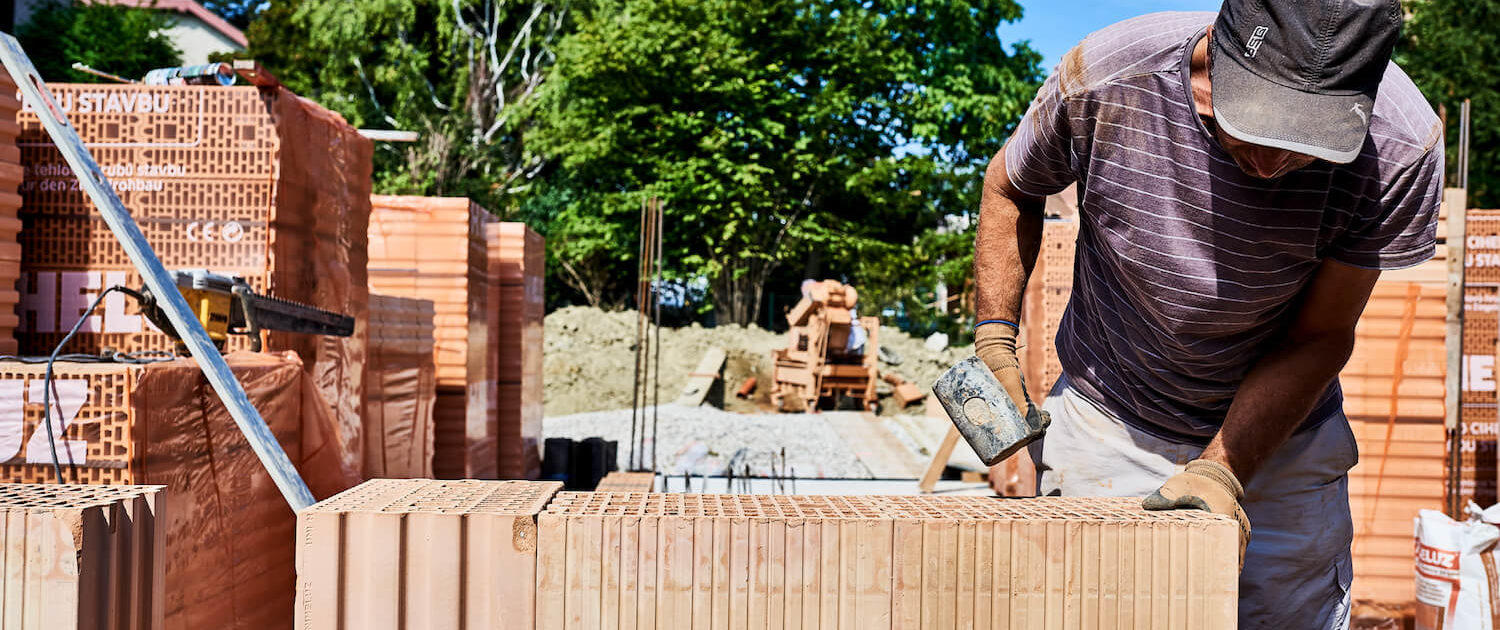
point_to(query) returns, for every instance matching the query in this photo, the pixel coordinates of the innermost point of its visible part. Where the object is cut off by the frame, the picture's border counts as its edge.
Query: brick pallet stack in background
(400, 388)
(82, 557)
(621, 481)
(1399, 357)
(421, 554)
(11, 175)
(1044, 303)
(518, 304)
(229, 530)
(1481, 308)
(253, 181)
(725, 561)
(434, 248)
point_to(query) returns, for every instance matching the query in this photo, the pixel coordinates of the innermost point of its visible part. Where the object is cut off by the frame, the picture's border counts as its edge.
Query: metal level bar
(169, 299)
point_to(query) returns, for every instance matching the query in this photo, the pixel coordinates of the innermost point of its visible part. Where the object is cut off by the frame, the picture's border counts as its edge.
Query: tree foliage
(455, 71)
(121, 40)
(1452, 52)
(778, 133)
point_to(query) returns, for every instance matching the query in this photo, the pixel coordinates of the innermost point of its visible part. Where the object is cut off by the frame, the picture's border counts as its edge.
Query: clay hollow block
(419, 553)
(620, 481)
(77, 556)
(641, 560)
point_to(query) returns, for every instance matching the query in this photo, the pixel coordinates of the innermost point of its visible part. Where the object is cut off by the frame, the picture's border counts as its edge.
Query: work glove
(995, 344)
(1208, 486)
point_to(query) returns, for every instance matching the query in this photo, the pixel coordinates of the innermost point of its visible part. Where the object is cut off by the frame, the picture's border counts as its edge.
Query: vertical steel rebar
(656, 299)
(636, 379)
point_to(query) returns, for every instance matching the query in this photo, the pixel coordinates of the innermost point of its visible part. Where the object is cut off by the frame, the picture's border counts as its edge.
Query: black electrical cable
(50, 390)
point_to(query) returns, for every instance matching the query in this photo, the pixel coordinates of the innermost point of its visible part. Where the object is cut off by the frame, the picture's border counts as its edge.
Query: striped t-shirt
(1187, 268)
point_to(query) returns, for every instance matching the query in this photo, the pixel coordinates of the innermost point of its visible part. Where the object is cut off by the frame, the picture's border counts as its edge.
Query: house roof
(191, 8)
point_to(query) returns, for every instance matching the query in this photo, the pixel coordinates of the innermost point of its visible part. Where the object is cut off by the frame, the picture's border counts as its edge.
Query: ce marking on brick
(211, 231)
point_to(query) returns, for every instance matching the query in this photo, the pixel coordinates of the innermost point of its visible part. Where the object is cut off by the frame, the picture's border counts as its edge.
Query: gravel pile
(589, 357)
(705, 440)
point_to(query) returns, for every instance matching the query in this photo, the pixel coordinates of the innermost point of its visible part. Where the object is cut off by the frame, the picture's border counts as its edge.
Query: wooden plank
(702, 379)
(939, 460)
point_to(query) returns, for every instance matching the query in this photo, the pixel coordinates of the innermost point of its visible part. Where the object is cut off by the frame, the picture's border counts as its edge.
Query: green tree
(1452, 52)
(121, 40)
(776, 132)
(455, 71)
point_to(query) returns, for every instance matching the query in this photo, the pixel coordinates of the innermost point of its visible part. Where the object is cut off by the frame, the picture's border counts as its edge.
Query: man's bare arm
(1284, 386)
(1006, 246)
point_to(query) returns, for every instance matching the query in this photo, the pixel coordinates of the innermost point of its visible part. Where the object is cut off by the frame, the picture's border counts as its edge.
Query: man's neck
(1203, 101)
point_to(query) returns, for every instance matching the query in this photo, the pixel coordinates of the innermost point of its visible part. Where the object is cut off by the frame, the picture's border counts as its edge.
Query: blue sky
(1053, 26)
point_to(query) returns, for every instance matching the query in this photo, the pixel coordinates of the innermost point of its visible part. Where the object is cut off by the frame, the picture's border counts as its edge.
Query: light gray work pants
(1297, 567)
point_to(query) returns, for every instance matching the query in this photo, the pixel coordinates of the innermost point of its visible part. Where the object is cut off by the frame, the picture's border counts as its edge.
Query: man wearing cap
(1243, 179)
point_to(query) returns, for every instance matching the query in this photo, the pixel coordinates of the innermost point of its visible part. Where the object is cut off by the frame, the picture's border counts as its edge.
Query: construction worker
(1243, 179)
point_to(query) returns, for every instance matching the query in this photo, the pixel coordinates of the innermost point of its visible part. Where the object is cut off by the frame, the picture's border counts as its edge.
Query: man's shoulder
(1147, 44)
(1404, 122)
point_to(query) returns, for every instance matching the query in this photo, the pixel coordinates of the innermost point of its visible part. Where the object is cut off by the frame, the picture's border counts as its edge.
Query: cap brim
(1331, 127)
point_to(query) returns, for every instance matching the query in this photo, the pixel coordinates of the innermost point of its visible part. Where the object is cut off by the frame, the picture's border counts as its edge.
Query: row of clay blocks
(74, 556)
(608, 560)
(420, 553)
(398, 554)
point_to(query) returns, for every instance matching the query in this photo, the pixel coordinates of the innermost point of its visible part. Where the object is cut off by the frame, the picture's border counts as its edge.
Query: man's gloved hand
(995, 344)
(1208, 486)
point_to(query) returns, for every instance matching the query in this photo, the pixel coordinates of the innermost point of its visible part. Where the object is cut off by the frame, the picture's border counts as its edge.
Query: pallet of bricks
(818, 368)
(76, 556)
(400, 388)
(435, 248)
(1394, 395)
(249, 180)
(11, 175)
(229, 529)
(517, 307)
(1042, 308)
(1481, 321)
(646, 560)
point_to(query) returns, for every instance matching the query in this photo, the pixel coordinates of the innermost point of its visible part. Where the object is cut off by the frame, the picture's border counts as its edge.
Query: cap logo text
(1252, 47)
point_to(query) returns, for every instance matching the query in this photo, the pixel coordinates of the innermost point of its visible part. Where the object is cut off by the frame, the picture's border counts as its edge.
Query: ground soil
(590, 359)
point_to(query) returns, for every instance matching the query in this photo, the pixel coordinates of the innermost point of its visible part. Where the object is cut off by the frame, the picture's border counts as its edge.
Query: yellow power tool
(227, 305)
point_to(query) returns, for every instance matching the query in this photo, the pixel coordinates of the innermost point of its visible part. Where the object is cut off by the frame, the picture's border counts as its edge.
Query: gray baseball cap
(1301, 75)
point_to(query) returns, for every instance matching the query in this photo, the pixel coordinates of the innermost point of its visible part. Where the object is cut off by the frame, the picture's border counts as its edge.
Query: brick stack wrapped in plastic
(252, 181)
(400, 388)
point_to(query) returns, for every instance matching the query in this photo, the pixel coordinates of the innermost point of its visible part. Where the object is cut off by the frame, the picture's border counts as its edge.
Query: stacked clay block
(666, 561)
(435, 248)
(162, 424)
(84, 557)
(248, 181)
(620, 481)
(400, 388)
(1393, 395)
(1481, 332)
(11, 175)
(420, 554)
(1043, 305)
(518, 305)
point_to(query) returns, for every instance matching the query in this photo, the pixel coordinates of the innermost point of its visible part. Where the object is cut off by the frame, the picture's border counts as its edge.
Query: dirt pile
(590, 354)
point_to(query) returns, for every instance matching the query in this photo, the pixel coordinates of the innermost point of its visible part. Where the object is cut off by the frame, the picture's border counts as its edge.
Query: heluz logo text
(1252, 47)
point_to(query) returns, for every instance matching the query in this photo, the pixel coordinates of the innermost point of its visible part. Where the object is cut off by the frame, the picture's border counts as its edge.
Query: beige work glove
(1208, 486)
(995, 344)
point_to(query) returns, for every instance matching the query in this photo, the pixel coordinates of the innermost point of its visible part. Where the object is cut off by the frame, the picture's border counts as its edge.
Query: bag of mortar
(1458, 586)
